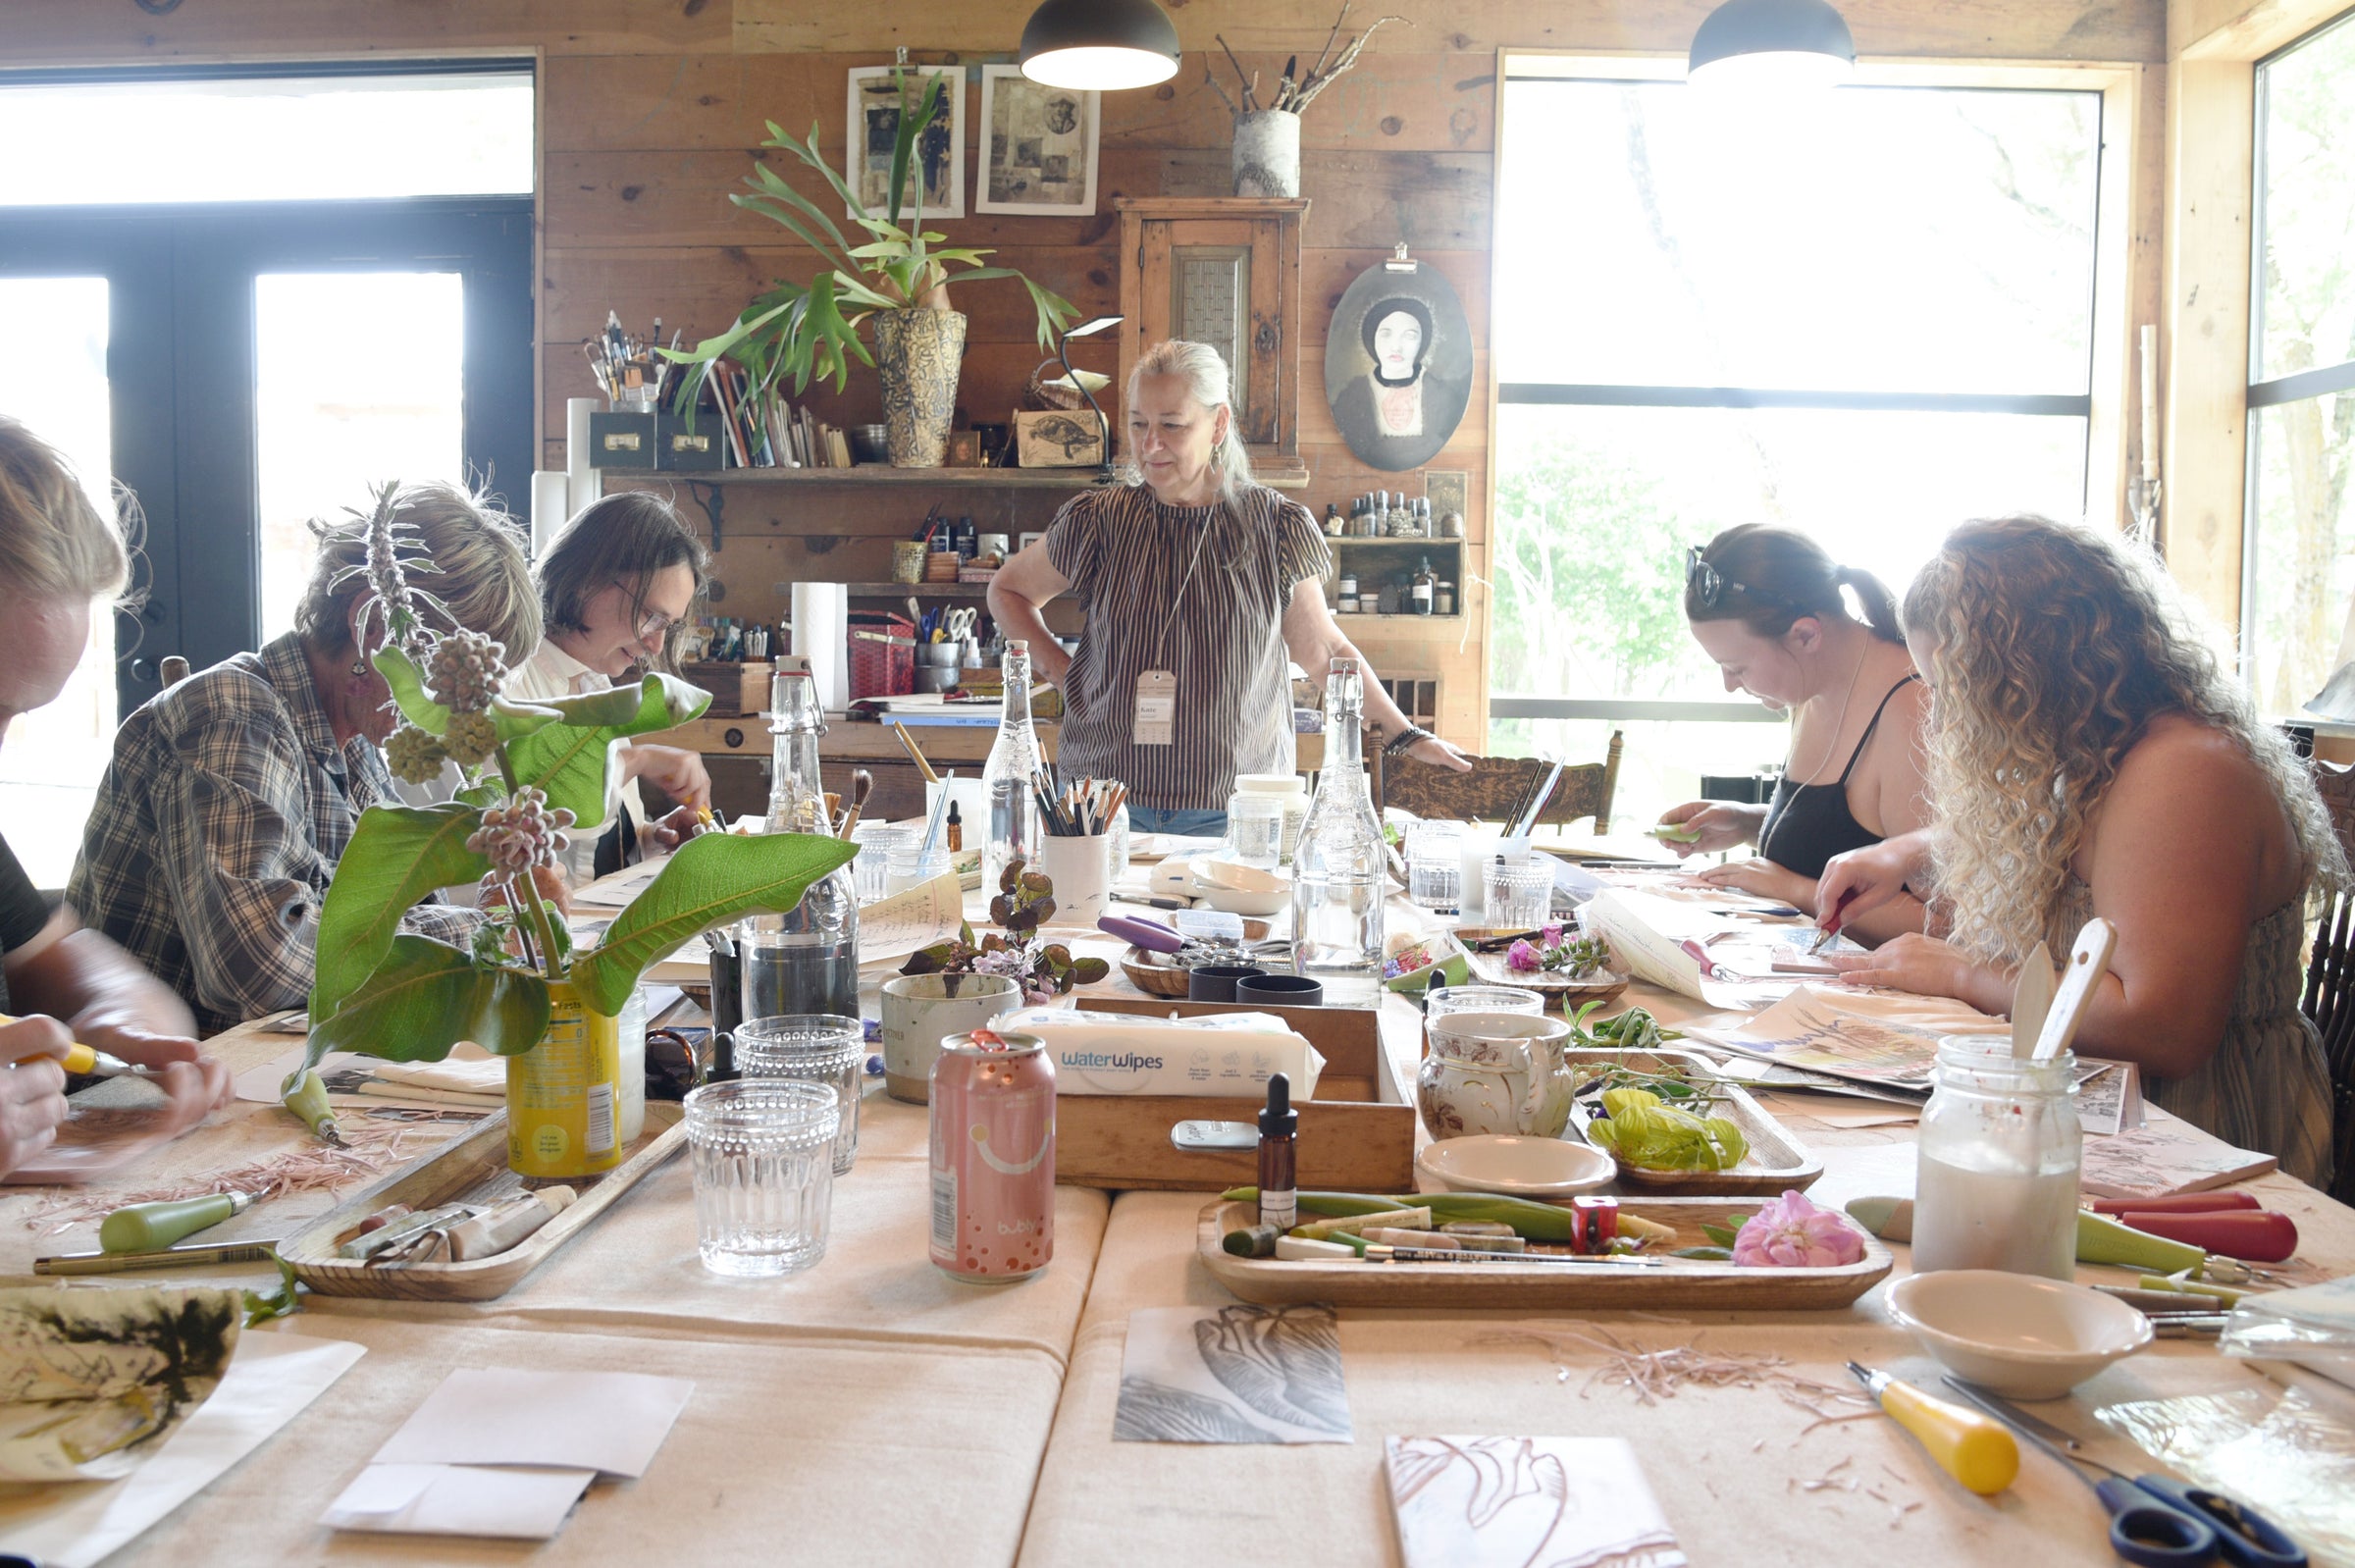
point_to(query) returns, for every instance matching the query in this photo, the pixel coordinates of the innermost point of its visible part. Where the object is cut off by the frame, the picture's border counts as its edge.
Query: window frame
(2261, 390)
(2103, 405)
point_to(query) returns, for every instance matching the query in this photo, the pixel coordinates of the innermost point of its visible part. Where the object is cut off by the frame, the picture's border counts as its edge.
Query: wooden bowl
(1153, 975)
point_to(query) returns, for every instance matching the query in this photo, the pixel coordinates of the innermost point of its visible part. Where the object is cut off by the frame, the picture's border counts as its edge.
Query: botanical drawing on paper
(1240, 1374)
(1525, 1502)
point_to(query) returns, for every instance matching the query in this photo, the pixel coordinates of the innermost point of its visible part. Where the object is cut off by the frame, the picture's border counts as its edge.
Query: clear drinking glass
(815, 1048)
(1255, 828)
(763, 1174)
(1442, 999)
(878, 847)
(1433, 874)
(1517, 892)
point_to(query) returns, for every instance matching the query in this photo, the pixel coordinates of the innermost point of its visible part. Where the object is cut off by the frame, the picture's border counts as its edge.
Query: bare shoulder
(2179, 755)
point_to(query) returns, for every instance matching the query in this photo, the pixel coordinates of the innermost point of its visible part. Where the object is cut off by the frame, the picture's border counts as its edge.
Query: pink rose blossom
(1551, 936)
(1791, 1233)
(1520, 956)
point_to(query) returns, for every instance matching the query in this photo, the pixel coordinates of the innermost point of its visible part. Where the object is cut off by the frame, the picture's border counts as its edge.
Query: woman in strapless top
(1773, 609)
(2088, 755)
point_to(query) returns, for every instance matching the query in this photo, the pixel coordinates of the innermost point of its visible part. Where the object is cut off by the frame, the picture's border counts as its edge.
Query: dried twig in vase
(1246, 78)
(1212, 78)
(1295, 92)
(1348, 58)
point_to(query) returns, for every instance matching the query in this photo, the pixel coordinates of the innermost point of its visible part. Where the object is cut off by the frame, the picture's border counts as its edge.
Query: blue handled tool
(2156, 1520)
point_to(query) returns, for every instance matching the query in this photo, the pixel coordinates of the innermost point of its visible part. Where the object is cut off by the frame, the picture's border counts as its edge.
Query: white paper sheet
(469, 1071)
(1237, 1374)
(271, 1378)
(609, 1422)
(893, 928)
(1875, 1036)
(1506, 1502)
(510, 1502)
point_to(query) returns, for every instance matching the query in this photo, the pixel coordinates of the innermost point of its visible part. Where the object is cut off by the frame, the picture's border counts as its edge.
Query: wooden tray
(472, 1169)
(1357, 1135)
(1507, 1285)
(1490, 968)
(1777, 1162)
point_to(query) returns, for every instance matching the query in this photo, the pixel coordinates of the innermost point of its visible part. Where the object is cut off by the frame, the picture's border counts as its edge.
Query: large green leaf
(401, 673)
(712, 879)
(567, 760)
(398, 855)
(428, 997)
(515, 721)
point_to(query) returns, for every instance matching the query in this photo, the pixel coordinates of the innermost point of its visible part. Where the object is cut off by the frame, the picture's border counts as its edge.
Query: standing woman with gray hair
(1197, 585)
(232, 795)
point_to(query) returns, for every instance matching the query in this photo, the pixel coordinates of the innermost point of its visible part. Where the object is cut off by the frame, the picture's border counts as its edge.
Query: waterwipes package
(1125, 1053)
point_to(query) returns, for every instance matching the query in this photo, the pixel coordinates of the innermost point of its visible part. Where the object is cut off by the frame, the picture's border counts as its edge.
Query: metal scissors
(2156, 1520)
(959, 623)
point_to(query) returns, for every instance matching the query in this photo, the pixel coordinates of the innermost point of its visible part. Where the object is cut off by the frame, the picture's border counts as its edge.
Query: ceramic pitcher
(1495, 1072)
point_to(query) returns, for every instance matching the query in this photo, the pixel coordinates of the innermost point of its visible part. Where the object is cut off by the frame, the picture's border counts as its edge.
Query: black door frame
(181, 369)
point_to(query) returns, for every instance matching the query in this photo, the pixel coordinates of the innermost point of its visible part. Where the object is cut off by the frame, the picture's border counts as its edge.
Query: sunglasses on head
(1708, 585)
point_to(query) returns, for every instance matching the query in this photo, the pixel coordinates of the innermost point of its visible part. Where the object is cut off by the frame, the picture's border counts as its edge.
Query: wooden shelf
(918, 478)
(1397, 544)
(917, 590)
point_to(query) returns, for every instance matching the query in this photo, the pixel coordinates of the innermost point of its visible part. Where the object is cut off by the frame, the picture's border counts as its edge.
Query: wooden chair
(1496, 785)
(2329, 998)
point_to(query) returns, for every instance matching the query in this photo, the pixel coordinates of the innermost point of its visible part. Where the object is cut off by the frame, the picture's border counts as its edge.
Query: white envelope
(512, 1501)
(609, 1422)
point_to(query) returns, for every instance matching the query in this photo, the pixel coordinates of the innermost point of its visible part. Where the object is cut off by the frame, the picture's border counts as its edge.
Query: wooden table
(871, 1411)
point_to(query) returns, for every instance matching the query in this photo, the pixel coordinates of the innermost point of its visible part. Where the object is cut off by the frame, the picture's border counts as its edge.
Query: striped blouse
(1200, 592)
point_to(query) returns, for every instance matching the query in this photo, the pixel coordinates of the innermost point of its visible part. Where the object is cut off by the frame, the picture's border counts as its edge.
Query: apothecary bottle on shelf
(1425, 587)
(1338, 872)
(804, 961)
(1013, 830)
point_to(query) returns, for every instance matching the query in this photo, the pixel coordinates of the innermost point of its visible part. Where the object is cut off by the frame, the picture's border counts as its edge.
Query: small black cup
(1279, 990)
(1216, 982)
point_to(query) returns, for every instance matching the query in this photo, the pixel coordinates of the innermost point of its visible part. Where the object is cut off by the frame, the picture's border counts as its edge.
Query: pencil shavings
(313, 1168)
(1656, 1375)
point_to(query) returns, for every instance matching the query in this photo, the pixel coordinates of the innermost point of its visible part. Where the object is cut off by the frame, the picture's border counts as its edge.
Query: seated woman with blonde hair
(232, 795)
(2089, 756)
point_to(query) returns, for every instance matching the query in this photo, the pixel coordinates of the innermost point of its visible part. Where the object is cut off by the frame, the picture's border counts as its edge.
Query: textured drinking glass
(763, 1174)
(1517, 892)
(1442, 999)
(1433, 871)
(878, 847)
(1255, 827)
(817, 1048)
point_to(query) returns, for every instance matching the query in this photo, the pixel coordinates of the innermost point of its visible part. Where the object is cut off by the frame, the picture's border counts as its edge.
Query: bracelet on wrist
(1412, 735)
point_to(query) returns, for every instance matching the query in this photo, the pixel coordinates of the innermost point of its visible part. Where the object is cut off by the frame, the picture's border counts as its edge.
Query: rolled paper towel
(582, 481)
(821, 633)
(551, 506)
(1125, 1053)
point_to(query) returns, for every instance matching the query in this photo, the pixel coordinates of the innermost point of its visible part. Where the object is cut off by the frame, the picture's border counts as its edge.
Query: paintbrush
(863, 784)
(915, 755)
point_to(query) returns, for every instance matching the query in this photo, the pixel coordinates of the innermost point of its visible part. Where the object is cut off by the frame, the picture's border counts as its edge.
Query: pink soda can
(993, 1157)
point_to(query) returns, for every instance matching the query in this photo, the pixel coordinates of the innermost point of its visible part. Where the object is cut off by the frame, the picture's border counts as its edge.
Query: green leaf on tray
(567, 759)
(426, 998)
(712, 878)
(398, 856)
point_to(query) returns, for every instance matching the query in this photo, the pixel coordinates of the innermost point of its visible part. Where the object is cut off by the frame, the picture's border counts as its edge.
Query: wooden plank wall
(652, 107)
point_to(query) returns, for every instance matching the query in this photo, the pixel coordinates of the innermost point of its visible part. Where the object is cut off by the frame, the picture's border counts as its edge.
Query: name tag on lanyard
(1156, 709)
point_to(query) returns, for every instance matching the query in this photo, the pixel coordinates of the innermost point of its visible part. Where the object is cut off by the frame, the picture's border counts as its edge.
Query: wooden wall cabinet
(1224, 270)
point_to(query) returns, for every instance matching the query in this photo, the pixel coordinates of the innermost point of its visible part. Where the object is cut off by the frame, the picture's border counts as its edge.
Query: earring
(1217, 453)
(359, 667)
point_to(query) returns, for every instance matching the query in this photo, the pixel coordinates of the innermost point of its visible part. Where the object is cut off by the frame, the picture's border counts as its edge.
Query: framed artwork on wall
(875, 123)
(1038, 147)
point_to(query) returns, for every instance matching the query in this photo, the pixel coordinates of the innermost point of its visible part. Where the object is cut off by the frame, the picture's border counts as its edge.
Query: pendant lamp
(1772, 45)
(1099, 45)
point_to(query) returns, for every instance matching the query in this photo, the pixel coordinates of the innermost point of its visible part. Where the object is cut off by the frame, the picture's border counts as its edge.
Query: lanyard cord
(1184, 584)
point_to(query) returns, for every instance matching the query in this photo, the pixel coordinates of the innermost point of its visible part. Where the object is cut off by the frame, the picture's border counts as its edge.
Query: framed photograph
(874, 126)
(965, 448)
(1038, 147)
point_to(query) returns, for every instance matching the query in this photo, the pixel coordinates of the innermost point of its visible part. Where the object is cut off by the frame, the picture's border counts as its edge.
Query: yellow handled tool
(149, 1227)
(1975, 1449)
(87, 1062)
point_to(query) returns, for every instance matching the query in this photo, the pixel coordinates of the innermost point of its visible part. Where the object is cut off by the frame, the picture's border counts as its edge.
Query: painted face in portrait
(1397, 334)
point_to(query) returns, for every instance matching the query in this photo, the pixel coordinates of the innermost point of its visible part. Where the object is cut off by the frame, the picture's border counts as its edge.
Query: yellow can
(565, 1094)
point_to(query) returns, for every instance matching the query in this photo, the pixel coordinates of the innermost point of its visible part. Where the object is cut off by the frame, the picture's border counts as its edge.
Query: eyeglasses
(1706, 585)
(652, 625)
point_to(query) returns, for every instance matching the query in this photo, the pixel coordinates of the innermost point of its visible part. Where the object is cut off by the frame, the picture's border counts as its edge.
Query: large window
(2297, 625)
(1868, 316)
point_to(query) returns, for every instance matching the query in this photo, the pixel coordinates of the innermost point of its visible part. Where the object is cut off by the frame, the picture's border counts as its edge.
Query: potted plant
(1042, 969)
(520, 991)
(899, 276)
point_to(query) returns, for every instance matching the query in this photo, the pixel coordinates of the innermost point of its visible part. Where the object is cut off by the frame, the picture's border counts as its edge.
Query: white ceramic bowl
(2020, 1336)
(1218, 890)
(1517, 1167)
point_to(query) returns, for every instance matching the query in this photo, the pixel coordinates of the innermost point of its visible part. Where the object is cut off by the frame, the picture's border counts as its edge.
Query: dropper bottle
(1280, 1156)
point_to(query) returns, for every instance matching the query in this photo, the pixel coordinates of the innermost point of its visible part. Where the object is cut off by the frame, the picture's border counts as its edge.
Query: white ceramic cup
(920, 1011)
(1081, 871)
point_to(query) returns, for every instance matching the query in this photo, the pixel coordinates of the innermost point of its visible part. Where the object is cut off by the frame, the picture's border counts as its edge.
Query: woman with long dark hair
(1772, 608)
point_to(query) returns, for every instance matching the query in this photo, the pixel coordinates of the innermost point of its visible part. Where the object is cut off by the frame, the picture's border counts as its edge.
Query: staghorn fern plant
(534, 771)
(811, 331)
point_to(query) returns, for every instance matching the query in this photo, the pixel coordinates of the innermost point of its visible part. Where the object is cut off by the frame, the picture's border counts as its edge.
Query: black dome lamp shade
(1099, 45)
(1773, 43)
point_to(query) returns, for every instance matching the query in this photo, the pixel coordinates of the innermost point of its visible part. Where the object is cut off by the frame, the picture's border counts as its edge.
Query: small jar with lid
(1443, 598)
(1997, 1162)
(1335, 525)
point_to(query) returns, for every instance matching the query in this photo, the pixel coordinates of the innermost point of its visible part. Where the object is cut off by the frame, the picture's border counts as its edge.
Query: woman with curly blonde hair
(2089, 756)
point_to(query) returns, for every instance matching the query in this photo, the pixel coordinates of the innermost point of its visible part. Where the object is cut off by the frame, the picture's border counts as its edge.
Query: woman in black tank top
(1766, 604)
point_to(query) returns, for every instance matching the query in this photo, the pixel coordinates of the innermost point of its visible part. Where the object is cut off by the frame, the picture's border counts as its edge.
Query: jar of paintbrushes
(1077, 851)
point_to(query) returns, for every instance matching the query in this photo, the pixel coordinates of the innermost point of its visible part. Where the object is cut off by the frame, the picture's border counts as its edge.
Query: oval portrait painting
(1399, 365)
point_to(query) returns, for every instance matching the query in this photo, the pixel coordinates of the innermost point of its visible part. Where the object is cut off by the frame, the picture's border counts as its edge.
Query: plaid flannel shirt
(217, 829)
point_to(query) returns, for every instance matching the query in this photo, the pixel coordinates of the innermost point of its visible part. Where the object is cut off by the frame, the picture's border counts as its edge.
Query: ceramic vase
(564, 1110)
(918, 355)
(920, 1011)
(1267, 153)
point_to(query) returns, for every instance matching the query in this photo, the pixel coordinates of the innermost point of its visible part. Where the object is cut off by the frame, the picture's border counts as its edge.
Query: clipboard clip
(1399, 260)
